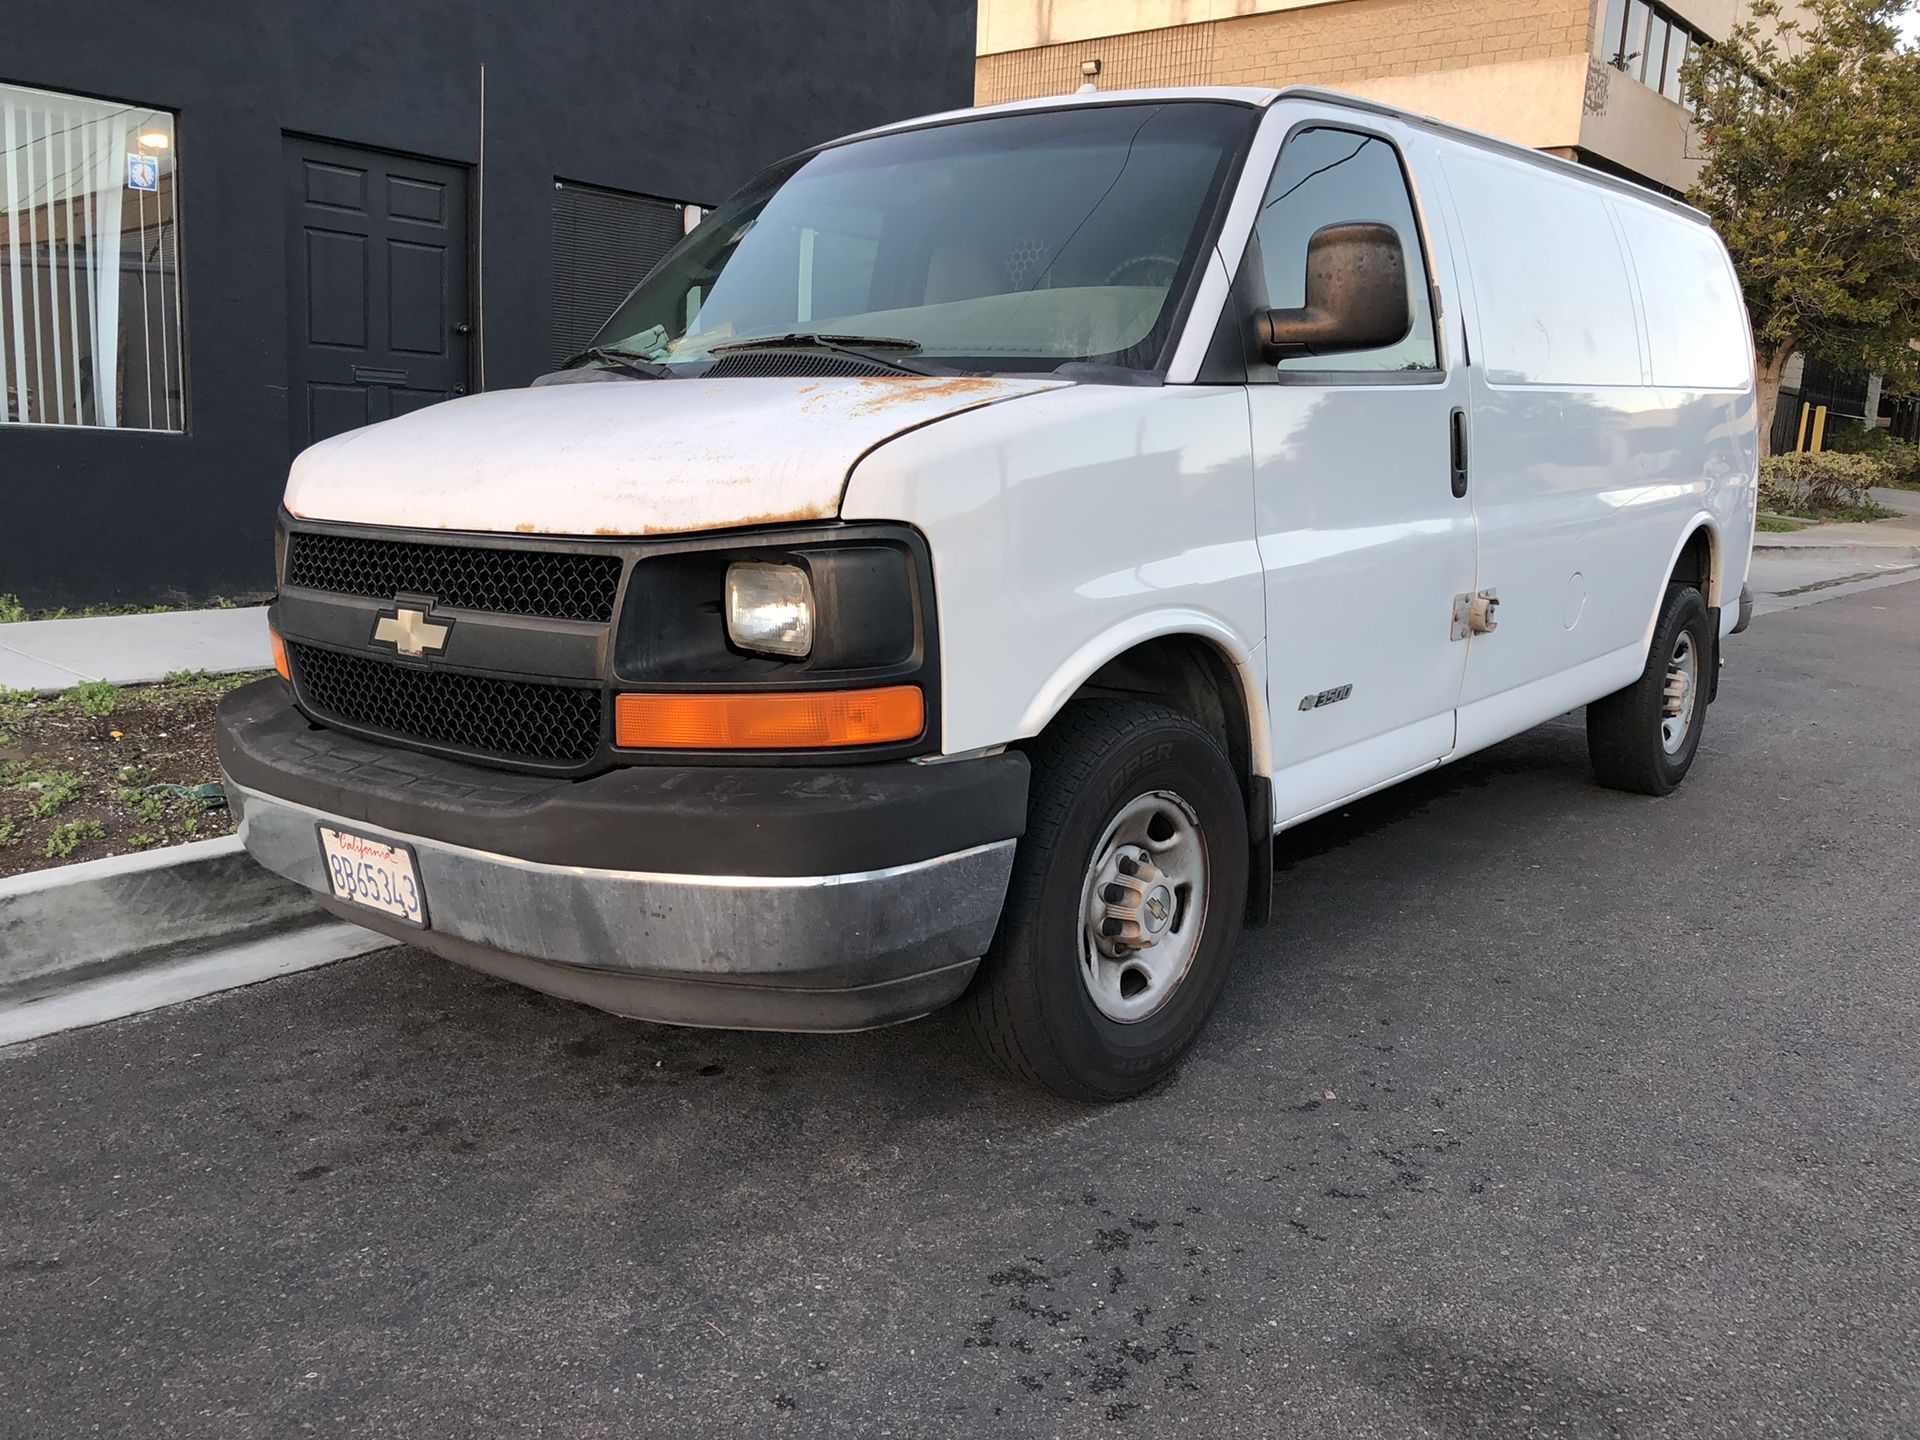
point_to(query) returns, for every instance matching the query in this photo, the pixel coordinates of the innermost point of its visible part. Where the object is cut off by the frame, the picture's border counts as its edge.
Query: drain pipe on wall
(480, 248)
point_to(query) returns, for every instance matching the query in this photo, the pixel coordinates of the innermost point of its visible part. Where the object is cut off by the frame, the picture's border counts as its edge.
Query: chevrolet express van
(959, 557)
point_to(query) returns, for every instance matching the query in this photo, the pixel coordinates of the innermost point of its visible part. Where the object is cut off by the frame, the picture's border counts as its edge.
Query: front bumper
(752, 897)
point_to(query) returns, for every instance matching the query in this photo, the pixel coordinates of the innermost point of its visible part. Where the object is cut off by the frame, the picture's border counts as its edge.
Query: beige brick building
(1593, 80)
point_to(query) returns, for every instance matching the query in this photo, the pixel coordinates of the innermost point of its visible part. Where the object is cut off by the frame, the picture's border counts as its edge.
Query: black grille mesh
(511, 719)
(750, 363)
(550, 584)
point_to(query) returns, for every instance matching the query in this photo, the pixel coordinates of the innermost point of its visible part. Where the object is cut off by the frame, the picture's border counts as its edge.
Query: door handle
(1458, 439)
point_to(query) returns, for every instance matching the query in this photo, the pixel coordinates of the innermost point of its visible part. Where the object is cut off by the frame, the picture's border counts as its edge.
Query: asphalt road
(1539, 1110)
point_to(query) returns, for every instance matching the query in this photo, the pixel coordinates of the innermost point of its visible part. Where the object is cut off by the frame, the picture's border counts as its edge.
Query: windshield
(1012, 242)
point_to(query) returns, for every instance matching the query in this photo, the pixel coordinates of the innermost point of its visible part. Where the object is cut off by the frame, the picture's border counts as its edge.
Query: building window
(1648, 42)
(604, 243)
(89, 264)
(1679, 45)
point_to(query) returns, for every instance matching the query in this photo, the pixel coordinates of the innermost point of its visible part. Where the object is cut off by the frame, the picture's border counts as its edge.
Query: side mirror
(1356, 296)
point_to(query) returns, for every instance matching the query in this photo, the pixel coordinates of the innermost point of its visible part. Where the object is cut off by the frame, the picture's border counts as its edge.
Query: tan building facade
(1594, 80)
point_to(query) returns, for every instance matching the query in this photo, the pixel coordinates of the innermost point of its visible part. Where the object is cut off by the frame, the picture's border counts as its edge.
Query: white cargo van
(959, 557)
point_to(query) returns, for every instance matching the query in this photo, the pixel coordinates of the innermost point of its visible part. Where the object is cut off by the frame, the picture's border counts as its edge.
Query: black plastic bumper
(693, 820)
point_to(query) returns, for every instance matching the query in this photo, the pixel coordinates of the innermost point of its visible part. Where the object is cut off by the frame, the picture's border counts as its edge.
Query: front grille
(510, 719)
(550, 584)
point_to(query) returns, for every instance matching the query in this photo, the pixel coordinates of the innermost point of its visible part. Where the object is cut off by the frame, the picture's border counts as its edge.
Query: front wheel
(1644, 738)
(1124, 904)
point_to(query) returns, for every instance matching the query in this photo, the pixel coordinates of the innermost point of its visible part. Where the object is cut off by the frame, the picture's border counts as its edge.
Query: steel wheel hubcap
(1143, 906)
(1683, 685)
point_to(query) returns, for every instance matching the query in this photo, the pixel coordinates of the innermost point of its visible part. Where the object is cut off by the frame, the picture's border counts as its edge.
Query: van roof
(1261, 97)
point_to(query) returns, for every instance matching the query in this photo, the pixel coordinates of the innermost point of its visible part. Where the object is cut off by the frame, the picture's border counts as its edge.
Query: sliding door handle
(1458, 441)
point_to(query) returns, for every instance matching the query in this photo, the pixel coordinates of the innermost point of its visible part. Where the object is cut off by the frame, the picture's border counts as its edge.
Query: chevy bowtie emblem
(411, 633)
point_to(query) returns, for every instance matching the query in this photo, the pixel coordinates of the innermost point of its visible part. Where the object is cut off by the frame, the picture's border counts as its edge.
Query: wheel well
(1186, 674)
(1695, 565)
(1194, 677)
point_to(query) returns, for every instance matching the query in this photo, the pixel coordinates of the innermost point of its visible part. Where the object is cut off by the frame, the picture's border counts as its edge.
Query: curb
(90, 924)
(1892, 552)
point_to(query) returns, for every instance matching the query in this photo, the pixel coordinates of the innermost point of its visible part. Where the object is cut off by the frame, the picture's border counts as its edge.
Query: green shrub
(51, 789)
(69, 837)
(16, 706)
(145, 805)
(1903, 459)
(98, 698)
(1820, 486)
(11, 610)
(1900, 459)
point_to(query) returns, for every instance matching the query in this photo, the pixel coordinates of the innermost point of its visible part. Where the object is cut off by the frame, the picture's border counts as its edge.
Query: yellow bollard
(1800, 440)
(1819, 428)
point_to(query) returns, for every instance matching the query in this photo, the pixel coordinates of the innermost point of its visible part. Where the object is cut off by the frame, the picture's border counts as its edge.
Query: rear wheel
(1644, 738)
(1123, 908)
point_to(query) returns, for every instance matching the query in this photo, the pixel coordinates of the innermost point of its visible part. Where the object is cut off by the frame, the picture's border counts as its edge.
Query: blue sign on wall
(143, 172)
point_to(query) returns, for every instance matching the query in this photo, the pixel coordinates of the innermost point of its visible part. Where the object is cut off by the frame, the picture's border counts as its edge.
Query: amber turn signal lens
(790, 720)
(279, 655)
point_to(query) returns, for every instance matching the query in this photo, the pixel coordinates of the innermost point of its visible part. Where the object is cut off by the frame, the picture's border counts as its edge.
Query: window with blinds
(604, 243)
(89, 264)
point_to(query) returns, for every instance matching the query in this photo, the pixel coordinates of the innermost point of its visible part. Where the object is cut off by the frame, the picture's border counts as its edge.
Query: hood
(627, 457)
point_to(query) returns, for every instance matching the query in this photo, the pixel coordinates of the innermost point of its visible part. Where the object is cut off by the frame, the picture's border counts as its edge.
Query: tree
(1811, 128)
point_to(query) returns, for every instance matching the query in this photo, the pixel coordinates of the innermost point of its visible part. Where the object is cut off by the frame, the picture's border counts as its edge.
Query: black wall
(677, 98)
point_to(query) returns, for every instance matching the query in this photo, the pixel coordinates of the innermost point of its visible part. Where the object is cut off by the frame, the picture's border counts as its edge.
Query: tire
(1626, 736)
(1103, 772)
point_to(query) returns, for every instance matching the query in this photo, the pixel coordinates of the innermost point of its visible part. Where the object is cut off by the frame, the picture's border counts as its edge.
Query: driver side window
(1332, 177)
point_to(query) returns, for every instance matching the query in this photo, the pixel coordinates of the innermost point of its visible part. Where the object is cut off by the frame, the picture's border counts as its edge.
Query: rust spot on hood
(871, 394)
(743, 522)
(880, 394)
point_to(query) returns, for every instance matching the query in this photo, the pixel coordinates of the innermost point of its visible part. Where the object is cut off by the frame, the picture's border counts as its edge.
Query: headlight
(770, 608)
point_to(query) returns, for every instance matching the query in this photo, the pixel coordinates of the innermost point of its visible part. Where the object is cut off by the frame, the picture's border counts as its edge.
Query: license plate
(374, 874)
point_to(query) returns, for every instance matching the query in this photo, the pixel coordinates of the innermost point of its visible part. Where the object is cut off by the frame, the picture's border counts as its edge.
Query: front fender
(1247, 659)
(1066, 527)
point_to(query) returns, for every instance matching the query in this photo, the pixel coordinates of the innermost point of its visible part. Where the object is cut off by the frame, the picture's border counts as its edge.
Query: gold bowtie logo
(411, 633)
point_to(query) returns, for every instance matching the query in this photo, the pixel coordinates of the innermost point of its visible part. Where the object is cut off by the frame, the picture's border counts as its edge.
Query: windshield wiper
(627, 362)
(858, 346)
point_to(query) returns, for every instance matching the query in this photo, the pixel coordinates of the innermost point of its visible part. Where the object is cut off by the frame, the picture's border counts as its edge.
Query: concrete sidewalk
(1901, 534)
(1826, 561)
(132, 649)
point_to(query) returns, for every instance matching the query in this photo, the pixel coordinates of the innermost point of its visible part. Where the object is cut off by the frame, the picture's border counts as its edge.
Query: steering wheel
(1155, 270)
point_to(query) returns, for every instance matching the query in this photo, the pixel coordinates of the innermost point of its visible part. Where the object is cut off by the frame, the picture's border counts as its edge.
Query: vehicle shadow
(1327, 871)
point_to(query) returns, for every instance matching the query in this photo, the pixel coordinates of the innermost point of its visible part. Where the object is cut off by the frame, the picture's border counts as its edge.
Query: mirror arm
(1286, 334)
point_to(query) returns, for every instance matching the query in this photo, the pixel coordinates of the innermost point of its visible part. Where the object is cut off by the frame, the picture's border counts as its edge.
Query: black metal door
(377, 321)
